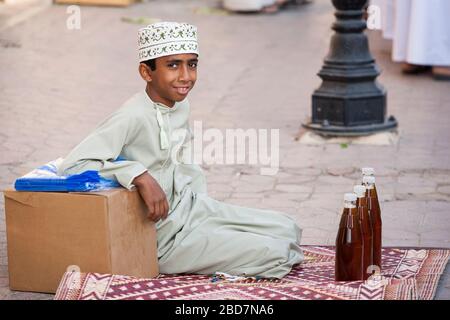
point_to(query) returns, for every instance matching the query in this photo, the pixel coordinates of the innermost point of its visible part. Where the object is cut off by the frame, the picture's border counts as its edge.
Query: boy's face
(173, 78)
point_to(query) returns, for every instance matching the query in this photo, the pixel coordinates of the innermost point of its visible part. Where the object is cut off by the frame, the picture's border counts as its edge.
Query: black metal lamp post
(349, 102)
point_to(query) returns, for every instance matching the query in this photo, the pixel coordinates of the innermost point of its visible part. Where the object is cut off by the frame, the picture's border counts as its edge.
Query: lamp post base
(349, 101)
(326, 129)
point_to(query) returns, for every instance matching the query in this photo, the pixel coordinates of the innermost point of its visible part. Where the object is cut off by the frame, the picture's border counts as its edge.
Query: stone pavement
(13, 12)
(256, 71)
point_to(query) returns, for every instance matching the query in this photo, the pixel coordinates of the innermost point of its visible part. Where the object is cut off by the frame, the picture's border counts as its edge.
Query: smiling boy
(196, 234)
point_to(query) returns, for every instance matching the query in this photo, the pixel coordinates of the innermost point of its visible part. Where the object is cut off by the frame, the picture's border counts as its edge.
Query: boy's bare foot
(274, 8)
(408, 68)
(441, 73)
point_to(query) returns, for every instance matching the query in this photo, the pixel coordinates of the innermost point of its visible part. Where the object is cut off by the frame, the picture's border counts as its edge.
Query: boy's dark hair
(151, 64)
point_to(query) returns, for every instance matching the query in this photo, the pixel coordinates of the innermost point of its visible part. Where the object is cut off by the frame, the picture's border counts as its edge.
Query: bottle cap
(349, 197)
(359, 190)
(368, 171)
(368, 179)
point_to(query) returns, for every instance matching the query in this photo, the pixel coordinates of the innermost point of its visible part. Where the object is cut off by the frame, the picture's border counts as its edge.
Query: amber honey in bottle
(349, 243)
(375, 217)
(366, 229)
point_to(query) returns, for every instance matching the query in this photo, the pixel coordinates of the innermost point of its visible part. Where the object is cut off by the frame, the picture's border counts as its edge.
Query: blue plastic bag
(45, 178)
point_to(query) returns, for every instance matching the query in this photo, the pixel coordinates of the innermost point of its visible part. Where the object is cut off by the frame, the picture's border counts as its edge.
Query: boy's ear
(145, 72)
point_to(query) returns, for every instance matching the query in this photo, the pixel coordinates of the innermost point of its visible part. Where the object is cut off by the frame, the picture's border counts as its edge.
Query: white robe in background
(420, 30)
(386, 12)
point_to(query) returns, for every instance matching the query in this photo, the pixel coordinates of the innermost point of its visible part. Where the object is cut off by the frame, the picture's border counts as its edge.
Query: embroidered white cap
(166, 38)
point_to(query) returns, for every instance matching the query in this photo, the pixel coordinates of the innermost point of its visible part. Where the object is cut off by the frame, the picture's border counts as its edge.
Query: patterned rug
(407, 274)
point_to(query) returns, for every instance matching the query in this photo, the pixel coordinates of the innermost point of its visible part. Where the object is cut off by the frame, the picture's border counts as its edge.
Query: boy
(196, 234)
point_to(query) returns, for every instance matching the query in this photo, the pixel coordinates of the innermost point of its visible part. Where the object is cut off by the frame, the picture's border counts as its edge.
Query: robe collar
(162, 109)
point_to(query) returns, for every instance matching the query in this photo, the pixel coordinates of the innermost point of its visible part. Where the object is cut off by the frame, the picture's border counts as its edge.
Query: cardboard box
(104, 232)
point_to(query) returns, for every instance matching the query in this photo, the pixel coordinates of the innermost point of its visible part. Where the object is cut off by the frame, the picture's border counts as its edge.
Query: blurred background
(64, 68)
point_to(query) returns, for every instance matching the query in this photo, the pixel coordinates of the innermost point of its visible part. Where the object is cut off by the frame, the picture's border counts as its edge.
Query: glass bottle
(349, 243)
(366, 229)
(375, 217)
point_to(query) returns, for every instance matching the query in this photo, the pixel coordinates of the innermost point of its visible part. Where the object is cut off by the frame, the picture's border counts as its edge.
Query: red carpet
(407, 274)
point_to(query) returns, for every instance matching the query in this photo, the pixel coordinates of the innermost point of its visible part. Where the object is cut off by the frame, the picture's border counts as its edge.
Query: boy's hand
(153, 196)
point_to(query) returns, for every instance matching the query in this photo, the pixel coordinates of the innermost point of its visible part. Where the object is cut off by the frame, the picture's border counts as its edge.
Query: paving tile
(413, 176)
